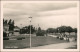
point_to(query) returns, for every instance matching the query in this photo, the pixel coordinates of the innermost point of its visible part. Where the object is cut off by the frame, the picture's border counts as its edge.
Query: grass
(16, 43)
(36, 41)
(39, 41)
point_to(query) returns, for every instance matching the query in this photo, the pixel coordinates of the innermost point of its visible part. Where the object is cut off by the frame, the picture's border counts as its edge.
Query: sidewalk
(57, 46)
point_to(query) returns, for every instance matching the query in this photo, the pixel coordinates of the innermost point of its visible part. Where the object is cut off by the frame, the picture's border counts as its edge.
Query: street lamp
(21, 25)
(30, 30)
(21, 29)
(58, 30)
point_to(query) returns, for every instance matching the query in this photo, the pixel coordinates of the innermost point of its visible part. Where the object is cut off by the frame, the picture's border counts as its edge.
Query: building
(16, 30)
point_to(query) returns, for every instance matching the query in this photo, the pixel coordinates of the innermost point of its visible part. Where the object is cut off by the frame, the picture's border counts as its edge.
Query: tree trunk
(69, 37)
(69, 34)
(75, 35)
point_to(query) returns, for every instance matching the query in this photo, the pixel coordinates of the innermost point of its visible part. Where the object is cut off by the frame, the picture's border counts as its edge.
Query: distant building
(16, 29)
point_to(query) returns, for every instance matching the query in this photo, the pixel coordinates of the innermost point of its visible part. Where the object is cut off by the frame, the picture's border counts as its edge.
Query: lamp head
(30, 18)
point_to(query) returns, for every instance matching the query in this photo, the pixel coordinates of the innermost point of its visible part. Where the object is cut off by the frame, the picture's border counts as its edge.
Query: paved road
(57, 46)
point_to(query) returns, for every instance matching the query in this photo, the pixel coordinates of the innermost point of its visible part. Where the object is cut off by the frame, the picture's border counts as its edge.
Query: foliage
(5, 38)
(69, 29)
(61, 38)
(62, 29)
(4, 34)
(75, 30)
(11, 25)
(26, 29)
(19, 38)
(40, 32)
(51, 30)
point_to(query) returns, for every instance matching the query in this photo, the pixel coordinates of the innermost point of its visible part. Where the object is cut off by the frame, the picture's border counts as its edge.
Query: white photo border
(78, 37)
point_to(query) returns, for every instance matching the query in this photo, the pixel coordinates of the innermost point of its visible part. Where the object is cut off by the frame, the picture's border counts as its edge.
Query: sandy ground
(56, 46)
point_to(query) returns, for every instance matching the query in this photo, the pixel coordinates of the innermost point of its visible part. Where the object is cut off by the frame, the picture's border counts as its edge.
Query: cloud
(68, 11)
(55, 21)
(45, 14)
(15, 9)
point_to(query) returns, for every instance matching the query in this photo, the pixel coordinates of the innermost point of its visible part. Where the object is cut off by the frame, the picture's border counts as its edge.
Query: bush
(40, 33)
(6, 38)
(19, 38)
(57, 37)
(75, 39)
(4, 34)
(61, 38)
(23, 37)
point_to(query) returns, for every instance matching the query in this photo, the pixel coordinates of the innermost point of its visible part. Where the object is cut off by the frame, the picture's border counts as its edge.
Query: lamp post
(30, 30)
(21, 25)
(58, 31)
(21, 29)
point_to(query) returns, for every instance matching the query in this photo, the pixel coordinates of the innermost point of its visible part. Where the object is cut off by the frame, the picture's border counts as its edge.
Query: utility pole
(30, 30)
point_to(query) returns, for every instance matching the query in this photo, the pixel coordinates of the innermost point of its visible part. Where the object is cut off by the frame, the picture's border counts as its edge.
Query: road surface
(56, 46)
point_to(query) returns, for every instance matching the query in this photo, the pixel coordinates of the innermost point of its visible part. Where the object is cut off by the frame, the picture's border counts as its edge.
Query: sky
(45, 15)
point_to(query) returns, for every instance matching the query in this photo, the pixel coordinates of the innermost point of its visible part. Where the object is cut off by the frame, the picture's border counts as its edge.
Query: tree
(13, 22)
(26, 29)
(39, 29)
(50, 30)
(5, 21)
(13, 25)
(62, 29)
(32, 29)
(4, 34)
(9, 22)
(40, 32)
(75, 30)
(55, 30)
(69, 29)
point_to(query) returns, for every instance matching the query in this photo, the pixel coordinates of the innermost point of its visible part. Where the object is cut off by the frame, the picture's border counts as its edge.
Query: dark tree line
(26, 30)
(52, 30)
(40, 32)
(10, 23)
(62, 29)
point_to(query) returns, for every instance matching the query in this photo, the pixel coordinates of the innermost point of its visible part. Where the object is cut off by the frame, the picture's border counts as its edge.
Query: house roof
(16, 27)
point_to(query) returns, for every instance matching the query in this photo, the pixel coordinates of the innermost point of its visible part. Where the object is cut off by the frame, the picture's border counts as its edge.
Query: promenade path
(56, 46)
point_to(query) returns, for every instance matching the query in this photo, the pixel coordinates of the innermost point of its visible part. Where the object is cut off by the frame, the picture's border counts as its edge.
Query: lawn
(36, 41)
